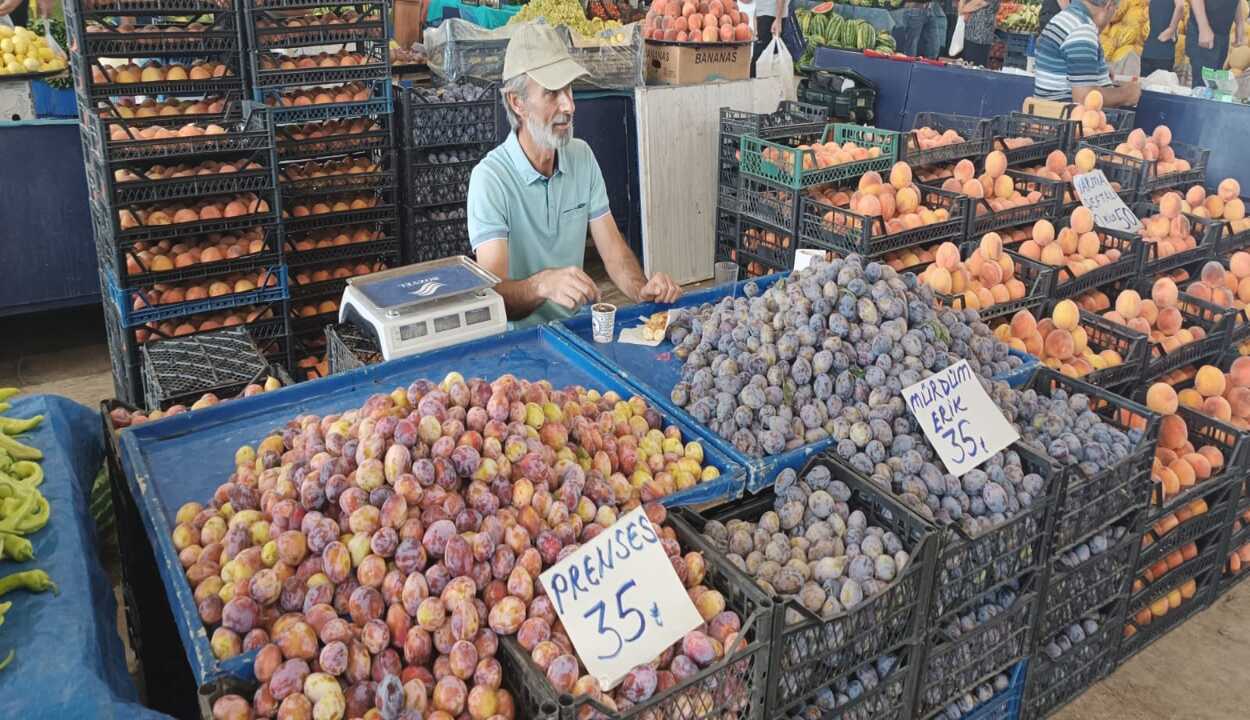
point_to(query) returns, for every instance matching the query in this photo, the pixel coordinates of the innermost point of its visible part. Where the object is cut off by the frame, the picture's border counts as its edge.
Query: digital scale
(422, 307)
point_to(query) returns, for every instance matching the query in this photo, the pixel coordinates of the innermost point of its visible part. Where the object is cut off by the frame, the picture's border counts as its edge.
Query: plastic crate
(1073, 592)
(267, 73)
(230, 83)
(1206, 233)
(108, 224)
(770, 205)
(378, 101)
(809, 651)
(268, 323)
(426, 123)
(1203, 570)
(889, 699)
(293, 141)
(385, 176)
(1089, 504)
(765, 244)
(123, 355)
(788, 166)
(1069, 285)
(118, 259)
(727, 184)
(790, 118)
(1007, 703)
(1143, 174)
(955, 666)
(1102, 334)
(841, 230)
(107, 189)
(248, 131)
(977, 133)
(1120, 120)
(1037, 279)
(266, 29)
(1235, 539)
(733, 687)
(436, 239)
(440, 184)
(349, 348)
(1054, 683)
(169, 35)
(388, 243)
(136, 308)
(983, 219)
(1047, 134)
(180, 370)
(1215, 321)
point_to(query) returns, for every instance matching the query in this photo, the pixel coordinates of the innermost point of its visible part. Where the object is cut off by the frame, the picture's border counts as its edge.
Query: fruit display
(203, 322)
(414, 55)
(1156, 148)
(572, 14)
(310, 276)
(313, 169)
(821, 155)
(334, 237)
(313, 309)
(1239, 555)
(1223, 204)
(429, 555)
(897, 201)
(328, 95)
(617, 10)
(346, 202)
(23, 52)
(960, 643)
(928, 138)
(1061, 341)
(831, 30)
(1089, 113)
(1159, 318)
(717, 21)
(985, 279)
(994, 189)
(1178, 464)
(122, 133)
(154, 72)
(1224, 396)
(1059, 169)
(167, 255)
(174, 293)
(885, 671)
(178, 212)
(127, 108)
(122, 417)
(127, 26)
(335, 137)
(1019, 17)
(911, 258)
(342, 58)
(1128, 30)
(1078, 248)
(333, 17)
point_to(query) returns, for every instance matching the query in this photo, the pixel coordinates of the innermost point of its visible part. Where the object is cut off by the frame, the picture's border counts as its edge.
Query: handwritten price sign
(620, 599)
(1103, 201)
(958, 417)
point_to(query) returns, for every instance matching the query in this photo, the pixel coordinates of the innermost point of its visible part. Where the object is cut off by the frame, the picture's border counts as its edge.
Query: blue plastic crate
(52, 102)
(1020, 375)
(124, 301)
(1006, 704)
(655, 370)
(154, 455)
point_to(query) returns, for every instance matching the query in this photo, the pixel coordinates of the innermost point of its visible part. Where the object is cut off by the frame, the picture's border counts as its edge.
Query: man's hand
(777, 27)
(660, 288)
(1168, 35)
(8, 6)
(568, 287)
(1206, 38)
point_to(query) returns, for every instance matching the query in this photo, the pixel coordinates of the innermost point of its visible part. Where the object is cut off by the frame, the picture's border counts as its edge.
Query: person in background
(769, 23)
(18, 11)
(935, 39)
(1070, 61)
(1050, 8)
(1159, 50)
(911, 23)
(1207, 35)
(978, 18)
(534, 197)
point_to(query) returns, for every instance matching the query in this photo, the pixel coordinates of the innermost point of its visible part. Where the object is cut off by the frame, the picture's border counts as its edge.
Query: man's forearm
(626, 274)
(520, 297)
(1116, 96)
(1199, 9)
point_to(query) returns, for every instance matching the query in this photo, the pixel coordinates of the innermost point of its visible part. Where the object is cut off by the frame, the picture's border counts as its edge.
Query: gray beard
(546, 138)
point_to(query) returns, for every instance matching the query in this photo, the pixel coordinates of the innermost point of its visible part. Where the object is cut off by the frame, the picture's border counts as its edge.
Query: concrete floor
(1197, 672)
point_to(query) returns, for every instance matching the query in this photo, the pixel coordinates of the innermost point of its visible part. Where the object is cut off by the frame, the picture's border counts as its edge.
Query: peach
(1209, 381)
(1084, 160)
(947, 256)
(1066, 315)
(1218, 408)
(1059, 344)
(1023, 324)
(996, 164)
(900, 175)
(1161, 398)
(1082, 220)
(1128, 304)
(1169, 321)
(1162, 136)
(1173, 432)
(964, 170)
(1043, 232)
(1164, 293)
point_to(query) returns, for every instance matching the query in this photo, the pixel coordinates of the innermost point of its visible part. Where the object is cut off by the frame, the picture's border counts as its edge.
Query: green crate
(785, 166)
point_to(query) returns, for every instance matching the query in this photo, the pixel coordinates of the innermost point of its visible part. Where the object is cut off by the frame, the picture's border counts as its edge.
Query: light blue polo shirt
(543, 219)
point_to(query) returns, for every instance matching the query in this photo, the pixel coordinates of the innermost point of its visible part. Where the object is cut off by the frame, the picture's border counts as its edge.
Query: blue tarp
(185, 457)
(70, 661)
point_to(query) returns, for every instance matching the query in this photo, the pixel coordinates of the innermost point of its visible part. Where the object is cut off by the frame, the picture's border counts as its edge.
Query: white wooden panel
(678, 129)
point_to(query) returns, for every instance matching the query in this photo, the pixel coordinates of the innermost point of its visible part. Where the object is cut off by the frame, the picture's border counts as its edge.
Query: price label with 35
(620, 599)
(960, 420)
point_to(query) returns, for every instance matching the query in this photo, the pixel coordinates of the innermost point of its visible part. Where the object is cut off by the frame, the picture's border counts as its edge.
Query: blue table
(70, 662)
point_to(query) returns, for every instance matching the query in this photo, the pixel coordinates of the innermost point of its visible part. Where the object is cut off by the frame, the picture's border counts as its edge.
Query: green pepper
(18, 450)
(17, 426)
(8, 392)
(29, 472)
(16, 548)
(31, 580)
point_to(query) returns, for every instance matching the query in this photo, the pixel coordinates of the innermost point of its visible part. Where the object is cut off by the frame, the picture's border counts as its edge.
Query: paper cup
(603, 321)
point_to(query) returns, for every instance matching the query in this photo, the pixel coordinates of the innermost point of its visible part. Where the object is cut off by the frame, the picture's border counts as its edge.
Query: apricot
(1023, 324)
(1066, 315)
(1213, 455)
(996, 164)
(1184, 473)
(900, 175)
(1234, 209)
(974, 189)
(1173, 432)
(1084, 160)
(1218, 408)
(1209, 381)
(1059, 344)
(1164, 293)
(964, 170)
(1162, 136)
(1169, 321)
(1052, 254)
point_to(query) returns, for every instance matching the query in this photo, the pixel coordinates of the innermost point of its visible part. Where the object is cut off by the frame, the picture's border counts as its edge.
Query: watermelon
(850, 32)
(804, 16)
(823, 8)
(833, 29)
(867, 37)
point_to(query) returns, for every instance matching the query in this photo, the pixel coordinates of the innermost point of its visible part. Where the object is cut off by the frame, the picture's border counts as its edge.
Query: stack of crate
(181, 175)
(791, 124)
(324, 70)
(443, 133)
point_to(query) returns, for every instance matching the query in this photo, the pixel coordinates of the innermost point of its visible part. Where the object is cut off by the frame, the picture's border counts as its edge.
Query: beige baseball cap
(537, 50)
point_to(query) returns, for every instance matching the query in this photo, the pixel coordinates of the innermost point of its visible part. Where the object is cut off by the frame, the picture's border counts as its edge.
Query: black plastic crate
(1203, 571)
(1120, 120)
(142, 182)
(1215, 321)
(371, 61)
(733, 687)
(840, 230)
(282, 102)
(334, 137)
(727, 185)
(348, 348)
(381, 176)
(769, 205)
(1102, 334)
(94, 32)
(384, 241)
(1073, 591)
(1088, 504)
(123, 355)
(1206, 233)
(246, 129)
(269, 24)
(1037, 279)
(969, 567)
(955, 665)
(333, 286)
(1052, 683)
(858, 698)
(429, 122)
(1067, 284)
(765, 244)
(983, 219)
(1143, 174)
(153, 223)
(439, 184)
(810, 651)
(977, 133)
(790, 118)
(137, 306)
(96, 82)
(1047, 134)
(183, 369)
(383, 208)
(436, 239)
(1235, 539)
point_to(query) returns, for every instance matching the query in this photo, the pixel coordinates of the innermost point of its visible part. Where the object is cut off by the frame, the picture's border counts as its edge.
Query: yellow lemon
(6, 45)
(20, 45)
(6, 31)
(31, 64)
(45, 54)
(13, 68)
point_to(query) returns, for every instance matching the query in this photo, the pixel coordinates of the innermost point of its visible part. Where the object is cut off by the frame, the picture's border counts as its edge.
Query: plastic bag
(775, 62)
(957, 40)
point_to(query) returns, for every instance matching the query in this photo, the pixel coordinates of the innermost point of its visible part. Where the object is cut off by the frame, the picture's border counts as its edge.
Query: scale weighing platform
(426, 306)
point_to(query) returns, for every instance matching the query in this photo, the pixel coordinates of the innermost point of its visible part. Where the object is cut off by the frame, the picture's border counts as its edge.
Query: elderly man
(1070, 61)
(532, 198)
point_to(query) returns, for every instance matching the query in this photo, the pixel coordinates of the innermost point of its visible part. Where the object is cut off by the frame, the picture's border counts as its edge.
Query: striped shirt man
(1069, 54)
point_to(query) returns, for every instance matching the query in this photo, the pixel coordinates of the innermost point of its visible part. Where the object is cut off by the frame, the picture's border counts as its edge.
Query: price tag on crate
(1104, 202)
(958, 418)
(620, 599)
